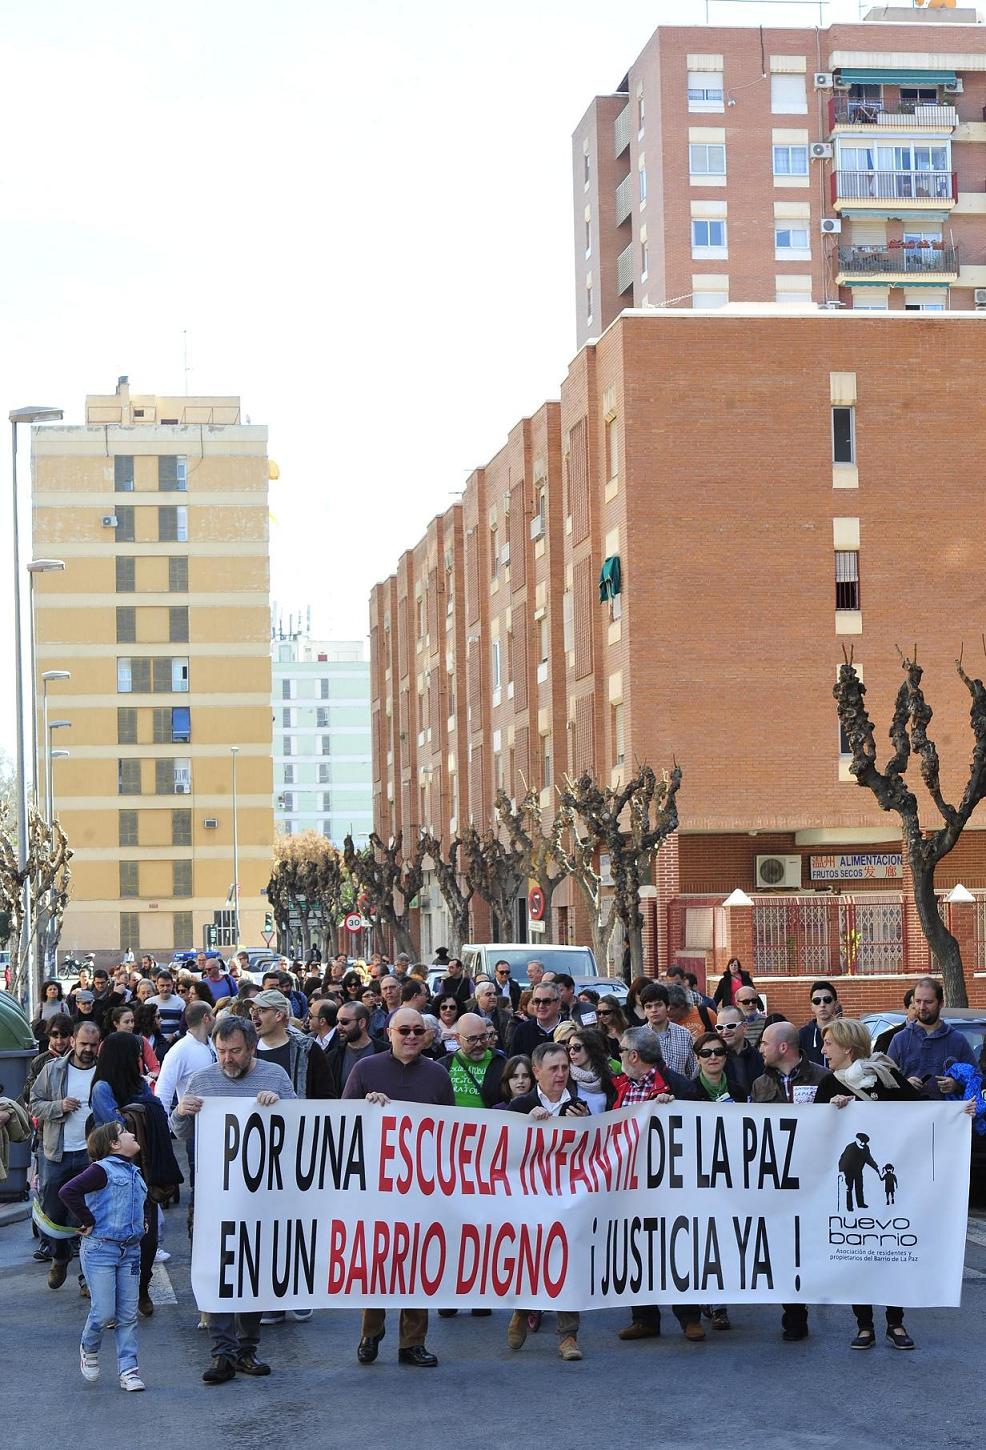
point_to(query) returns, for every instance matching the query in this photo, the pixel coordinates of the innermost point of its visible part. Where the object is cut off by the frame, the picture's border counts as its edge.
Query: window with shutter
(140, 671)
(161, 675)
(181, 725)
(322, 718)
(181, 828)
(126, 574)
(128, 878)
(123, 473)
(124, 532)
(128, 777)
(126, 726)
(164, 777)
(182, 930)
(126, 624)
(162, 726)
(130, 931)
(181, 878)
(167, 524)
(128, 828)
(178, 575)
(178, 623)
(585, 755)
(172, 473)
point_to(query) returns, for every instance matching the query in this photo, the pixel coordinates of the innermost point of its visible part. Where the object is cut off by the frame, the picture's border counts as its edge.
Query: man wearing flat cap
(283, 1044)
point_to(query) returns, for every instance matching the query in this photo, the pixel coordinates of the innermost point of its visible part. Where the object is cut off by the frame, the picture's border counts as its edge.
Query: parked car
(971, 1022)
(479, 959)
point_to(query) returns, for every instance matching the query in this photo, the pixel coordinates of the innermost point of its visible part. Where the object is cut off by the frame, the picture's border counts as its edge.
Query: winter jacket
(742, 1070)
(681, 1088)
(307, 1067)
(334, 1056)
(924, 1054)
(15, 1130)
(723, 996)
(768, 1088)
(489, 1088)
(46, 1106)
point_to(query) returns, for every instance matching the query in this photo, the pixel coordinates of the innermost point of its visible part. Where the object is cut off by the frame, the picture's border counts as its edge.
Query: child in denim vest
(107, 1198)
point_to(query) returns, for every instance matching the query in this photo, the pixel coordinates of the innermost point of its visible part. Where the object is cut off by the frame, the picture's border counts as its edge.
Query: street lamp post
(234, 750)
(23, 415)
(51, 755)
(55, 755)
(37, 566)
(46, 679)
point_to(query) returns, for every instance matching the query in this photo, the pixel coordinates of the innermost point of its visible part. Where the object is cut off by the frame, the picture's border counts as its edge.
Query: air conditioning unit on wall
(774, 872)
(820, 151)
(980, 295)
(831, 225)
(823, 80)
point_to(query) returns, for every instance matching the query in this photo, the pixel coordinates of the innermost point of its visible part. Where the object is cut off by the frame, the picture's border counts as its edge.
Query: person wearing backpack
(108, 1200)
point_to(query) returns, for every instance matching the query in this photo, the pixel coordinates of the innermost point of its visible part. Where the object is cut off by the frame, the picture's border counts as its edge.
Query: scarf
(862, 1076)
(586, 1078)
(714, 1090)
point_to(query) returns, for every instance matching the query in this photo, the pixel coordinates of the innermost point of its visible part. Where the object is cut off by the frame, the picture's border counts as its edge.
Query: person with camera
(553, 1096)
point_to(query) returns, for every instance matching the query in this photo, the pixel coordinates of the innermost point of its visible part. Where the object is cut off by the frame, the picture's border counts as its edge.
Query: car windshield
(576, 964)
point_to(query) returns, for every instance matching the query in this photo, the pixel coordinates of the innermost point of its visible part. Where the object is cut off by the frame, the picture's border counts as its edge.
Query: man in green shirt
(475, 1069)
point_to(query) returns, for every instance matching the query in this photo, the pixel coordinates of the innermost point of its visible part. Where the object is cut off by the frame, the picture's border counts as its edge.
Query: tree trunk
(403, 941)
(945, 953)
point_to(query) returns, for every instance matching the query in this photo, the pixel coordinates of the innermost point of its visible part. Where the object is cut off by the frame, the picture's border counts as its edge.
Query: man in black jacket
(743, 1065)
(475, 1069)
(505, 984)
(824, 1009)
(351, 1043)
(545, 1006)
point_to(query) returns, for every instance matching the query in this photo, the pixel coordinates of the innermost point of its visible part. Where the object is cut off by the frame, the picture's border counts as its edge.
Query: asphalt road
(742, 1388)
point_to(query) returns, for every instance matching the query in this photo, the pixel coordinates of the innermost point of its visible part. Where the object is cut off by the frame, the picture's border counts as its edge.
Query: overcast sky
(360, 214)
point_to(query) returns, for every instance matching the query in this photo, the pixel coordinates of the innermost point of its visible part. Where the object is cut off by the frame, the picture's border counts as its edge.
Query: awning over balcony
(880, 77)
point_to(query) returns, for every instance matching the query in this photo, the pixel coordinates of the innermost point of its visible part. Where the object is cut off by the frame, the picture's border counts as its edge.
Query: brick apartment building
(760, 488)
(841, 166)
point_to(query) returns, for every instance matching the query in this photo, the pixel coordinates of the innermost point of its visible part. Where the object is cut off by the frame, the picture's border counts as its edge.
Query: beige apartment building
(158, 507)
(841, 166)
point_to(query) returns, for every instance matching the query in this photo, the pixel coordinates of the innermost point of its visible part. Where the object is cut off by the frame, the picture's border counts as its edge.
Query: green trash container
(17, 1048)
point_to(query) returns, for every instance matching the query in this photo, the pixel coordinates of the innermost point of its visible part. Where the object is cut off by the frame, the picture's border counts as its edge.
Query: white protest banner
(345, 1204)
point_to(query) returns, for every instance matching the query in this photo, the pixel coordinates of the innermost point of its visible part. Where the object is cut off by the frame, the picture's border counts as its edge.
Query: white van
(479, 958)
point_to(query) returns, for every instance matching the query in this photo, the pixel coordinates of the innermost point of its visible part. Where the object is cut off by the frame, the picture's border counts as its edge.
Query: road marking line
(161, 1289)
(976, 1231)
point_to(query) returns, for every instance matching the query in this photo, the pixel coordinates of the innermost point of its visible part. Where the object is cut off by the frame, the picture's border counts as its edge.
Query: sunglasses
(603, 1012)
(409, 1031)
(746, 1001)
(61, 1036)
(543, 1001)
(711, 1052)
(576, 1047)
(822, 1001)
(727, 1026)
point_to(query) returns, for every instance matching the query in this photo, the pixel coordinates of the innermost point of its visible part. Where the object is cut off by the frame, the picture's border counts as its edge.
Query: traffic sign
(354, 922)
(268, 937)
(535, 904)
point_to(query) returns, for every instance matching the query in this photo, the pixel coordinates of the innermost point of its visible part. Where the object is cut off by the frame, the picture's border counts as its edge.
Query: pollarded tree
(630, 824)
(909, 734)
(499, 870)
(543, 861)
(388, 882)
(308, 885)
(48, 876)
(458, 880)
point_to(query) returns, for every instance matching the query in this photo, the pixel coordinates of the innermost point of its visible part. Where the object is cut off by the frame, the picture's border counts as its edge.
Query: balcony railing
(624, 198)
(909, 259)
(916, 115)
(624, 270)
(937, 186)
(621, 131)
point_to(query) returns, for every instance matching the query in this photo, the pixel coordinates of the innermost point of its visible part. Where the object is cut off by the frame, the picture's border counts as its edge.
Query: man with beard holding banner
(401, 1075)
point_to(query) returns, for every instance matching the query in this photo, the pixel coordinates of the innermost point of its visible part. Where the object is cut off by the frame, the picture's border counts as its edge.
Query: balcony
(894, 192)
(849, 114)
(922, 260)
(621, 131)
(624, 199)
(624, 270)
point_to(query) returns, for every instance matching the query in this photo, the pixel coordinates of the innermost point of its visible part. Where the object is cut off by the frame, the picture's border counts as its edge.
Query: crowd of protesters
(128, 1057)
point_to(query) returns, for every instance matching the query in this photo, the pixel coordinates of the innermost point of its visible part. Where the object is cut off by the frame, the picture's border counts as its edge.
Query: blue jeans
(112, 1272)
(51, 1177)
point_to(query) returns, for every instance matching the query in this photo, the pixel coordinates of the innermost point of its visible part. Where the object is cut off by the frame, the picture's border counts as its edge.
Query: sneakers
(273, 1316)
(131, 1380)
(300, 1316)
(568, 1349)
(162, 1256)
(42, 1255)
(516, 1331)
(220, 1370)
(720, 1319)
(89, 1365)
(57, 1273)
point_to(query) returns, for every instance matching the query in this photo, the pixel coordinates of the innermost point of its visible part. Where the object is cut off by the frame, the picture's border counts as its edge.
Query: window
(126, 574)
(544, 635)
(124, 676)
(495, 664)
(287, 691)
(791, 243)
(182, 930)
(325, 745)
(568, 622)
(124, 523)
(128, 828)
(588, 304)
(419, 617)
(709, 239)
(123, 473)
(178, 624)
(126, 624)
(920, 95)
(644, 261)
(289, 828)
(172, 777)
(324, 773)
(619, 747)
(641, 113)
(130, 931)
(793, 297)
(178, 575)
(643, 183)
(586, 171)
(172, 725)
(790, 160)
(289, 745)
(843, 435)
(128, 777)
(172, 473)
(128, 878)
(172, 524)
(612, 448)
(287, 718)
(322, 718)
(704, 90)
(181, 828)
(709, 299)
(326, 801)
(126, 726)
(588, 237)
(788, 96)
(179, 675)
(545, 760)
(323, 689)
(289, 774)
(286, 803)
(707, 159)
(847, 579)
(181, 878)
(494, 549)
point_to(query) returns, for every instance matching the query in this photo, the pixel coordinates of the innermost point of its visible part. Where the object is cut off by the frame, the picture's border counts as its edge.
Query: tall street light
(51, 755)
(234, 750)
(55, 755)
(46, 679)
(23, 415)
(37, 566)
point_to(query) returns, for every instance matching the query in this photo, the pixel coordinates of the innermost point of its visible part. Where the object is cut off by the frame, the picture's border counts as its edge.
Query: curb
(14, 1212)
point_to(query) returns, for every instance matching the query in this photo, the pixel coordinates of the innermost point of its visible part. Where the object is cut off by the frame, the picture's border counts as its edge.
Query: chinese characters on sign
(871, 866)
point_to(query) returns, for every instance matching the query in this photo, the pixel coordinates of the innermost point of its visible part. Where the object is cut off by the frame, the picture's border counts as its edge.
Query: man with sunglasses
(545, 1009)
(824, 1009)
(743, 1064)
(754, 1019)
(402, 1075)
(505, 984)
(475, 1068)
